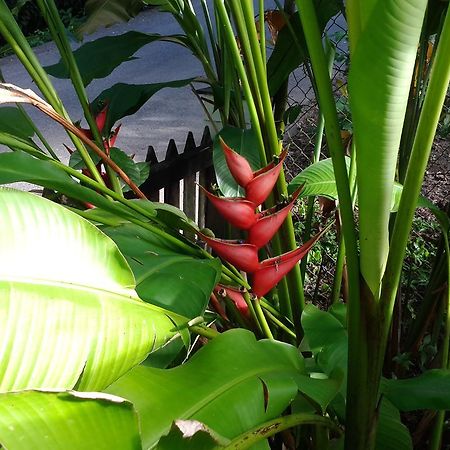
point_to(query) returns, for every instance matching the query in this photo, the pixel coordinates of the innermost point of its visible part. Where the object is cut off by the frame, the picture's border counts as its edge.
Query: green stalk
(58, 32)
(358, 399)
(262, 319)
(262, 31)
(274, 426)
(246, 45)
(225, 24)
(206, 332)
(436, 434)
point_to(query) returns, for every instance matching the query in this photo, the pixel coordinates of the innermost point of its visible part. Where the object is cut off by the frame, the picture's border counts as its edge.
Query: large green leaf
(67, 421)
(379, 83)
(224, 385)
(18, 166)
(241, 141)
(327, 338)
(70, 314)
(164, 275)
(431, 390)
(108, 53)
(104, 13)
(287, 55)
(126, 99)
(391, 433)
(318, 179)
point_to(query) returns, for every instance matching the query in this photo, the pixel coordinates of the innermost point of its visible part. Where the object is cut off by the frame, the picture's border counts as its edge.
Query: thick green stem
(436, 435)
(227, 31)
(272, 427)
(358, 399)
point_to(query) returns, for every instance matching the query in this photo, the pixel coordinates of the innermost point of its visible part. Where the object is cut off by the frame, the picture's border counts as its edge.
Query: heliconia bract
(238, 211)
(236, 296)
(239, 167)
(272, 270)
(269, 222)
(243, 256)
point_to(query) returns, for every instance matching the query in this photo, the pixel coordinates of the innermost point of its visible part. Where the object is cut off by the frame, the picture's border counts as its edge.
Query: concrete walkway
(171, 113)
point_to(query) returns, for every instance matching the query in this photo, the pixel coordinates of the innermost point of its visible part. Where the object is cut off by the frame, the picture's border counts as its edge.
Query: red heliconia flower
(261, 185)
(272, 270)
(236, 296)
(243, 256)
(269, 222)
(239, 167)
(238, 211)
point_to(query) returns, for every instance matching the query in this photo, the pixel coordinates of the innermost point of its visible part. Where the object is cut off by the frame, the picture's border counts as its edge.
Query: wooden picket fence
(174, 179)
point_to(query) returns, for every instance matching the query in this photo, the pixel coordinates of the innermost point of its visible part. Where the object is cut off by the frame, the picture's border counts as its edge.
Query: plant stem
(436, 434)
(262, 319)
(225, 24)
(358, 399)
(272, 427)
(206, 332)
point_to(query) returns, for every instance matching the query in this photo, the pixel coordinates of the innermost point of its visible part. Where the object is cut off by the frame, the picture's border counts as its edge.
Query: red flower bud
(236, 296)
(238, 211)
(239, 167)
(261, 186)
(242, 256)
(269, 222)
(100, 118)
(272, 270)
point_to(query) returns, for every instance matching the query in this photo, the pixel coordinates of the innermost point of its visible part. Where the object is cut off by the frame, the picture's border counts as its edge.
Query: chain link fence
(300, 136)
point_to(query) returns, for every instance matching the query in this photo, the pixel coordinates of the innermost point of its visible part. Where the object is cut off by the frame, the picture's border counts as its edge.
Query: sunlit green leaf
(67, 421)
(68, 301)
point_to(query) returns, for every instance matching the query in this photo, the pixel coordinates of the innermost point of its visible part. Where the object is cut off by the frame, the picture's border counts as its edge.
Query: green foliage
(126, 99)
(289, 51)
(72, 295)
(233, 369)
(70, 421)
(108, 52)
(104, 13)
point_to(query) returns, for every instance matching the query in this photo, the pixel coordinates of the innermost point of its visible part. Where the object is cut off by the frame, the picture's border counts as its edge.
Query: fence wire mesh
(300, 136)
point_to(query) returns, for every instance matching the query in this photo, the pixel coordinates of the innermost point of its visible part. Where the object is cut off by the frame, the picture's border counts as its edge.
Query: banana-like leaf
(126, 99)
(379, 82)
(318, 179)
(70, 314)
(392, 434)
(431, 390)
(67, 421)
(165, 276)
(104, 13)
(108, 52)
(232, 384)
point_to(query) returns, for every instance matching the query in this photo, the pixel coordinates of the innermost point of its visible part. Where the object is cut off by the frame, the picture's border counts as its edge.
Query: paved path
(171, 113)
